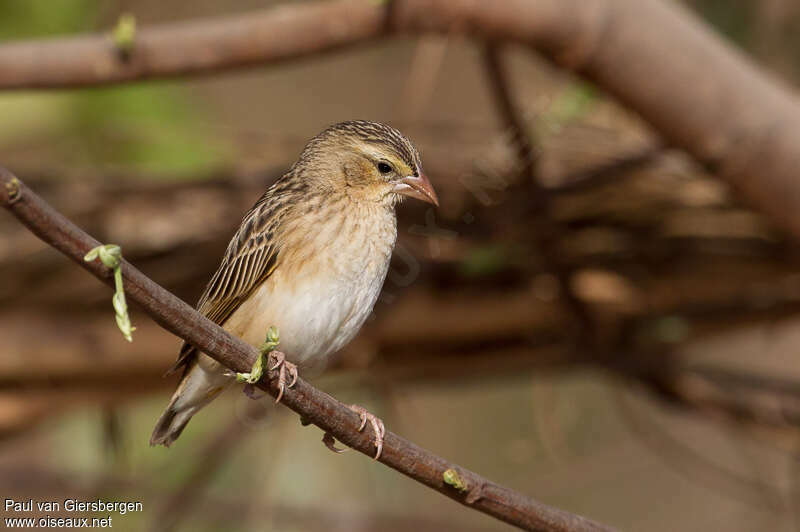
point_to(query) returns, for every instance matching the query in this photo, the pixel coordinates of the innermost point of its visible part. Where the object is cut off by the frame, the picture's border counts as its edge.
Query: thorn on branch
(111, 257)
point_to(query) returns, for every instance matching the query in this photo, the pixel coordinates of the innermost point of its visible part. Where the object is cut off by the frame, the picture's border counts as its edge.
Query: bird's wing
(250, 258)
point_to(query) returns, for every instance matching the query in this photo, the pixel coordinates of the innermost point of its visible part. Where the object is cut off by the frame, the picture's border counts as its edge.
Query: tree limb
(204, 46)
(313, 405)
(712, 102)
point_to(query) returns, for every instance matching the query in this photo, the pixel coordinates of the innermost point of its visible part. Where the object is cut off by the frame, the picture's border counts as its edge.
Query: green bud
(452, 478)
(111, 257)
(124, 33)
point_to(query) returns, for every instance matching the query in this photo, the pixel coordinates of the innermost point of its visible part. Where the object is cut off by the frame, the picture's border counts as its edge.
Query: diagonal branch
(313, 405)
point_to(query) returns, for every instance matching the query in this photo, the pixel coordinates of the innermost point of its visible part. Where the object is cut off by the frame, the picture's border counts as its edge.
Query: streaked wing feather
(250, 258)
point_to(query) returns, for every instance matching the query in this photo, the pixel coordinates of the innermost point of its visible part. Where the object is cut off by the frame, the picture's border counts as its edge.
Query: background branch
(548, 234)
(206, 46)
(756, 148)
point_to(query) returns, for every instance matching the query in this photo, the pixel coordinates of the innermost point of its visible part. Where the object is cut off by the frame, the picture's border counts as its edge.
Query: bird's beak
(417, 187)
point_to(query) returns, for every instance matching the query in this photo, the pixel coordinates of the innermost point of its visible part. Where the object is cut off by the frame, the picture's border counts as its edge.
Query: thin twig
(738, 381)
(601, 174)
(424, 71)
(546, 235)
(313, 405)
(690, 463)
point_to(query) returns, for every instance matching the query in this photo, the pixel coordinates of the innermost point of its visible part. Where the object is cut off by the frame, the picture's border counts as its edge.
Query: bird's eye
(384, 168)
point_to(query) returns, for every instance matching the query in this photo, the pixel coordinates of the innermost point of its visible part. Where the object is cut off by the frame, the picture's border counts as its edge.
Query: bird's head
(368, 161)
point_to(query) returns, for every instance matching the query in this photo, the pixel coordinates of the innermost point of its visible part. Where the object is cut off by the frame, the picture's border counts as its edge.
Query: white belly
(319, 307)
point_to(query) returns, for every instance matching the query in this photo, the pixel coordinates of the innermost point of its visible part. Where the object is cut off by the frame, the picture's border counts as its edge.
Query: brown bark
(283, 32)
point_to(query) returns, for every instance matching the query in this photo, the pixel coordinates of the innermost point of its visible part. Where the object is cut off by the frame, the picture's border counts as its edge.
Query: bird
(309, 259)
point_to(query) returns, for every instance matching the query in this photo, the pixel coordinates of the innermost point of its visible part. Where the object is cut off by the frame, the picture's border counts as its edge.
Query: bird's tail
(197, 388)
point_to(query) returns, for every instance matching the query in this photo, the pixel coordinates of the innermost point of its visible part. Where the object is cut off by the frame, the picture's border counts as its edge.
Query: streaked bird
(309, 258)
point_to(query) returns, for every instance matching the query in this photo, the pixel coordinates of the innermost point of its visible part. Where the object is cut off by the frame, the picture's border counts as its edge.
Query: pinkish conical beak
(417, 187)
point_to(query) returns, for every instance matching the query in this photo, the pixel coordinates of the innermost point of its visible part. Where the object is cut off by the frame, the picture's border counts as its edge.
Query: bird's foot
(284, 368)
(330, 442)
(268, 349)
(377, 427)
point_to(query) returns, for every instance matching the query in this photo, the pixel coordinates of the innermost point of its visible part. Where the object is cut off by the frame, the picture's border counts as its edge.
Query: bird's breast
(322, 290)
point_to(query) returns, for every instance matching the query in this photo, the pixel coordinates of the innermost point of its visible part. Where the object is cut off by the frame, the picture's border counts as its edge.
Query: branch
(744, 399)
(732, 117)
(547, 236)
(205, 46)
(696, 467)
(313, 405)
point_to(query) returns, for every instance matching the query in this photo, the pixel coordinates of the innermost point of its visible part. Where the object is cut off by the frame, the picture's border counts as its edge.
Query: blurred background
(629, 352)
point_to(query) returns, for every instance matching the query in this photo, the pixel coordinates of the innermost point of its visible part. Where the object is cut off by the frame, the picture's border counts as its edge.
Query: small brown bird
(309, 258)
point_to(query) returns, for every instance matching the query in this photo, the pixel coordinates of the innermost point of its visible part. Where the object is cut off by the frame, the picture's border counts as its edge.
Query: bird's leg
(267, 351)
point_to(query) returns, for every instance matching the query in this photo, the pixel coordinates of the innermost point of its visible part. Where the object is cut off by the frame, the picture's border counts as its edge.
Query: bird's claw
(330, 443)
(280, 363)
(284, 367)
(377, 427)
